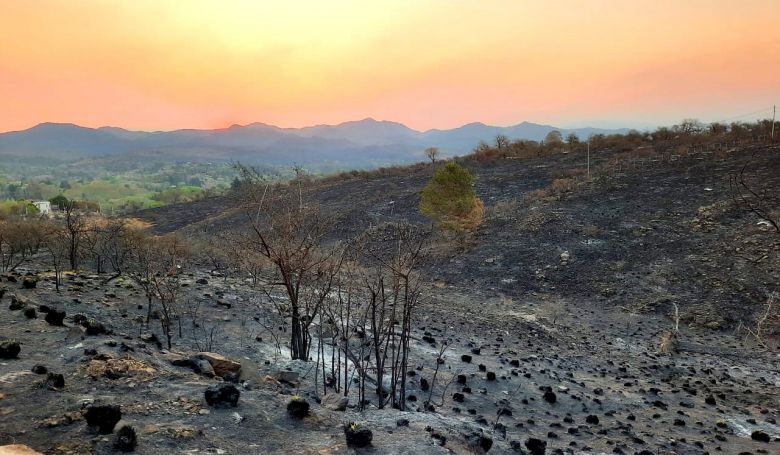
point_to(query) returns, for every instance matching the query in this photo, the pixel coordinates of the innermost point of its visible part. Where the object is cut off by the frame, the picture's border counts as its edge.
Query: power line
(766, 109)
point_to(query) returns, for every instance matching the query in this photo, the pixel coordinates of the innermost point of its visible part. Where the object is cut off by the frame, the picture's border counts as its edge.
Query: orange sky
(154, 64)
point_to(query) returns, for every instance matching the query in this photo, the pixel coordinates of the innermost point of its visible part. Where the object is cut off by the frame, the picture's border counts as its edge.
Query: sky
(161, 65)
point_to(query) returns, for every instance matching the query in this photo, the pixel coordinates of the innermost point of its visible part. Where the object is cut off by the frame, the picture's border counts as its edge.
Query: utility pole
(772, 134)
(588, 156)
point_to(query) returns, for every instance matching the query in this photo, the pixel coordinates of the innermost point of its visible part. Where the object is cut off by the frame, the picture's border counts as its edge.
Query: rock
(54, 381)
(549, 396)
(424, 384)
(357, 435)
(55, 317)
(29, 282)
(222, 395)
(592, 419)
(202, 281)
(9, 349)
(335, 402)
(126, 439)
(491, 376)
(237, 418)
(103, 418)
(201, 366)
(39, 369)
(402, 423)
(30, 313)
(298, 408)
(221, 365)
(290, 377)
(536, 446)
(710, 400)
(18, 449)
(565, 256)
(466, 358)
(16, 305)
(760, 436)
(458, 397)
(44, 308)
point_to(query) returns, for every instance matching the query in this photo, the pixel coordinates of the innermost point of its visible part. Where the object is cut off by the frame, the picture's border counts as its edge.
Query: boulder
(29, 283)
(335, 402)
(290, 377)
(221, 365)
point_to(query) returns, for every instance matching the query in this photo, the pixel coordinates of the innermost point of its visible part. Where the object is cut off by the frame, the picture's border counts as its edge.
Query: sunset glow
(429, 64)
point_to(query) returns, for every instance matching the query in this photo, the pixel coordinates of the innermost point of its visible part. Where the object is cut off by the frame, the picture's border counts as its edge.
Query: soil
(563, 347)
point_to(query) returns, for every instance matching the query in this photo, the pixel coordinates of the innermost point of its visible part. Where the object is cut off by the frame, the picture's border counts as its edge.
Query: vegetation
(449, 199)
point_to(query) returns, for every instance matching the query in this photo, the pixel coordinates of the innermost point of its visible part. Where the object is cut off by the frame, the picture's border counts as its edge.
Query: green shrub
(449, 199)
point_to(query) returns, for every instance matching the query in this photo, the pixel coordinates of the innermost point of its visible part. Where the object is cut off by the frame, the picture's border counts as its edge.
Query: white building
(43, 206)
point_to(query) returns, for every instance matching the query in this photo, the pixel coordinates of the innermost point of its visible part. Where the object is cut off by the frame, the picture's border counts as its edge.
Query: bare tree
(57, 244)
(166, 282)
(290, 234)
(432, 153)
(391, 255)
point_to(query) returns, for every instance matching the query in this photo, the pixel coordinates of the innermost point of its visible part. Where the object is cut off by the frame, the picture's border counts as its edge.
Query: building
(44, 207)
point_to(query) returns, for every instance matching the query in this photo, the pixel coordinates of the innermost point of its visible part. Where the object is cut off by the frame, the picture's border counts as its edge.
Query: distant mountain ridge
(358, 143)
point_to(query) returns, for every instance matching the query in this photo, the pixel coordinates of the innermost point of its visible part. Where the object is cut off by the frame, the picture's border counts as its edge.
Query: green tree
(59, 201)
(449, 199)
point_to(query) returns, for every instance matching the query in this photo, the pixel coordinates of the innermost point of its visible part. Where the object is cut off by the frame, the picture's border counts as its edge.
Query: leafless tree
(166, 282)
(432, 153)
(290, 233)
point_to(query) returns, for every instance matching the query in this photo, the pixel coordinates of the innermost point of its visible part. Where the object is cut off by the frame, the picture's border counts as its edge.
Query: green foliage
(449, 199)
(59, 201)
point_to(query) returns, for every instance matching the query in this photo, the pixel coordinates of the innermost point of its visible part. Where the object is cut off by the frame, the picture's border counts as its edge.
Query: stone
(290, 377)
(30, 313)
(465, 358)
(29, 282)
(103, 418)
(39, 369)
(592, 419)
(549, 396)
(222, 395)
(126, 439)
(202, 366)
(335, 402)
(221, 364)
(9, 349)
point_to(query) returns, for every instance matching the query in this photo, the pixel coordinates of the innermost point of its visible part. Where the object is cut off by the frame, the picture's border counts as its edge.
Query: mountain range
(361, 143)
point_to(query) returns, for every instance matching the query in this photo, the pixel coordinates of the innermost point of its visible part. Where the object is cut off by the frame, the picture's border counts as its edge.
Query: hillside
(539, 335)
